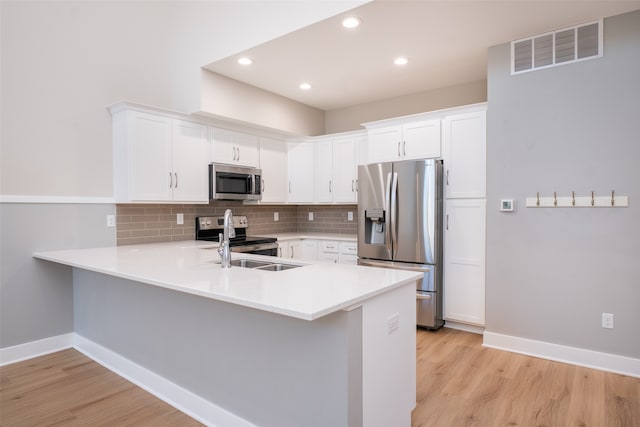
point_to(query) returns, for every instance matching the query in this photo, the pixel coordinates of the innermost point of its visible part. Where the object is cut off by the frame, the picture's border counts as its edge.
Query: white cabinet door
(296, 250)
(150, 168)
(323, 172)
(190, 162)
(385, 144)
(247, 149)
(300, 171)
(309, 250)
(421, 139)
(464, 260)
(464, 155)
(234, 148)
(273, 162)
(345, 170)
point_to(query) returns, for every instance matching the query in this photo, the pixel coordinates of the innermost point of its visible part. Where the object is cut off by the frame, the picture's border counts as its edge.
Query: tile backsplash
(143, 223)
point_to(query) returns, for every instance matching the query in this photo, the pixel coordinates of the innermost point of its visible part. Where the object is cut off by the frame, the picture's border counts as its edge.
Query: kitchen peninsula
(317, 345)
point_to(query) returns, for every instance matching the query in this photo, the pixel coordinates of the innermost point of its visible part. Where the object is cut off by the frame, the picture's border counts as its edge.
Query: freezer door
(426, 309)
(374, 193)
(416, 206)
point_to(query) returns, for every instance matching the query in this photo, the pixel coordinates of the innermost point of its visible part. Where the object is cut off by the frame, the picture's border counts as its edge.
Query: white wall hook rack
(573, 201)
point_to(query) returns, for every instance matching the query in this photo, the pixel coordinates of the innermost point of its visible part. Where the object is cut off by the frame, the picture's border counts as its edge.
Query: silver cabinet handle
(176, 174)
(330, 190)
(279, 251)
(447, 176)
(262, 186)
(353, 181)
(404, 148)
(399, 155)
(291, 251)
(289, 187)
(238, 153)
(447, 225)
(357, 189)
(170, 180)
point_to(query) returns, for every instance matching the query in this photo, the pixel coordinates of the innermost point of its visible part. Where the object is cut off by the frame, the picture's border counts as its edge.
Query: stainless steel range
(209, 228)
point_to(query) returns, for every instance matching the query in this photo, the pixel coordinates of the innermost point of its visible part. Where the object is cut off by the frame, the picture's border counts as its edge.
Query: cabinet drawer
(349, 248)
(348, 259)
(331, 258)
(328, 246)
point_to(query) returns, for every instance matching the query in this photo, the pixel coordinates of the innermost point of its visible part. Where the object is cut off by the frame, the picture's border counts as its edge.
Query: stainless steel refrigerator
(400, 211)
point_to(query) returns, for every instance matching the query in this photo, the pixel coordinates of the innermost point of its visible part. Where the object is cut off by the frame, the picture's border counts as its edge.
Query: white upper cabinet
(323, 172)
(300, 172)
(273, 162)
(345, 169)
(234, 148)
(417, 139)
(191, 172)
(158, 159)
(464, 155)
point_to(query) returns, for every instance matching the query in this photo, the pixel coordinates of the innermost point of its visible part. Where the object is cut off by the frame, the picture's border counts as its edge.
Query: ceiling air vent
(557, 48)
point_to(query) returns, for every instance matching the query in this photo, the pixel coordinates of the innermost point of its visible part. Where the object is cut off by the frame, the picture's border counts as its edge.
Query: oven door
(269, 249)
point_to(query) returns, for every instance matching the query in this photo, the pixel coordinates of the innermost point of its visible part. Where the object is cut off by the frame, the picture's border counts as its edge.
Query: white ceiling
(445, 41)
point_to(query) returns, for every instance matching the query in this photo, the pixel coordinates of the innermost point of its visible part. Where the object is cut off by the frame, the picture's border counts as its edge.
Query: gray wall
(552, 272)
(36, 297)
(255, 376)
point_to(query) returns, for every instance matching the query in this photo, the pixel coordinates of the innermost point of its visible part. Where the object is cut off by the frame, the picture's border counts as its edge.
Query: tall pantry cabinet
(464, 155)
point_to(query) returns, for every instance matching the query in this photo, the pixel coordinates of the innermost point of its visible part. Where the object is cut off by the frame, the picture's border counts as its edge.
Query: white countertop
(315, 236)
(308, 292)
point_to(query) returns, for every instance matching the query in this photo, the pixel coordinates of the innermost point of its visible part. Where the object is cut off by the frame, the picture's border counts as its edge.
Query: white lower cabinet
(464, 260)
(348, 253)
(309, 250)
(290, 249)
(328, 251)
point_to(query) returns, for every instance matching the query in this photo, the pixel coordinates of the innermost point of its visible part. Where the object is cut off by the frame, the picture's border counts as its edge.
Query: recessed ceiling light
(305, 86)
(400, 61)
(351, 22)
(245, 61)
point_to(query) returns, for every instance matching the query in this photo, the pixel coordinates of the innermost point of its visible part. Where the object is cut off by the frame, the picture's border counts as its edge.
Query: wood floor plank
(459, 383)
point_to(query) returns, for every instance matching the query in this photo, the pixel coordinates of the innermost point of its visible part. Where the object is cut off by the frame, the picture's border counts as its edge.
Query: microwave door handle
(394, 214)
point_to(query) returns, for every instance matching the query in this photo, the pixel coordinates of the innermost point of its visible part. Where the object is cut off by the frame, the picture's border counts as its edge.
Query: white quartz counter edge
(314, 236)
(307, 293)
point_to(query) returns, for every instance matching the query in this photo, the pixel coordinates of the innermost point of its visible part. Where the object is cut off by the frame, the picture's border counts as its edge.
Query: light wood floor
(460, 383)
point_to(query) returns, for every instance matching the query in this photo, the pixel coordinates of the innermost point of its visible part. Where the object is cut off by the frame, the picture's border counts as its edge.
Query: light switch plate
(349, 216)
(111, 220)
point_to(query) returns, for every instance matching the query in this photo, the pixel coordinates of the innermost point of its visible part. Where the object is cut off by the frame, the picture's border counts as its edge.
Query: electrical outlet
(393, 323)
(310, 216)
(276, 216)
(111, 220)
(349, 216)
(607, 320)
(180, 218)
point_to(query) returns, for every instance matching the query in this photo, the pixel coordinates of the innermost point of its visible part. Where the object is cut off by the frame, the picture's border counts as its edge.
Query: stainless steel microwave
(228, 182)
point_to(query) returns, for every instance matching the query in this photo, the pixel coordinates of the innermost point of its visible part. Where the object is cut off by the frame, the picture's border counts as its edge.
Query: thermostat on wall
(506, 205)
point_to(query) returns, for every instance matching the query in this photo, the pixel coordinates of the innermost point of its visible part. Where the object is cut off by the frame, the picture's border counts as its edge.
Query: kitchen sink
(261, 265)
(278, 267)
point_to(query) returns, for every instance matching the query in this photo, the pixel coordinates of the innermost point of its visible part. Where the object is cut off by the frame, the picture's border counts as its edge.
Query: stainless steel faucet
(223, 238)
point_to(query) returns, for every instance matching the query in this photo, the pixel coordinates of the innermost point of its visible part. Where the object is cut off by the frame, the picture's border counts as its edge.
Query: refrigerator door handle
(388, 219)
(394, 214)
(421, 296)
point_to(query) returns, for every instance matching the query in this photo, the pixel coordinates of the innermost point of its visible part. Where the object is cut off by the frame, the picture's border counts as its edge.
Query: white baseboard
(32, 349)
(561, 353)
(191, 404)
(464, 327)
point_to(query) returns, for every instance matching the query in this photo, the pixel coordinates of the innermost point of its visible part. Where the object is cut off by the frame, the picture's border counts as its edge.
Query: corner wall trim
(182, 399)
(20, 352)
(561, 353)
(57, 199)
